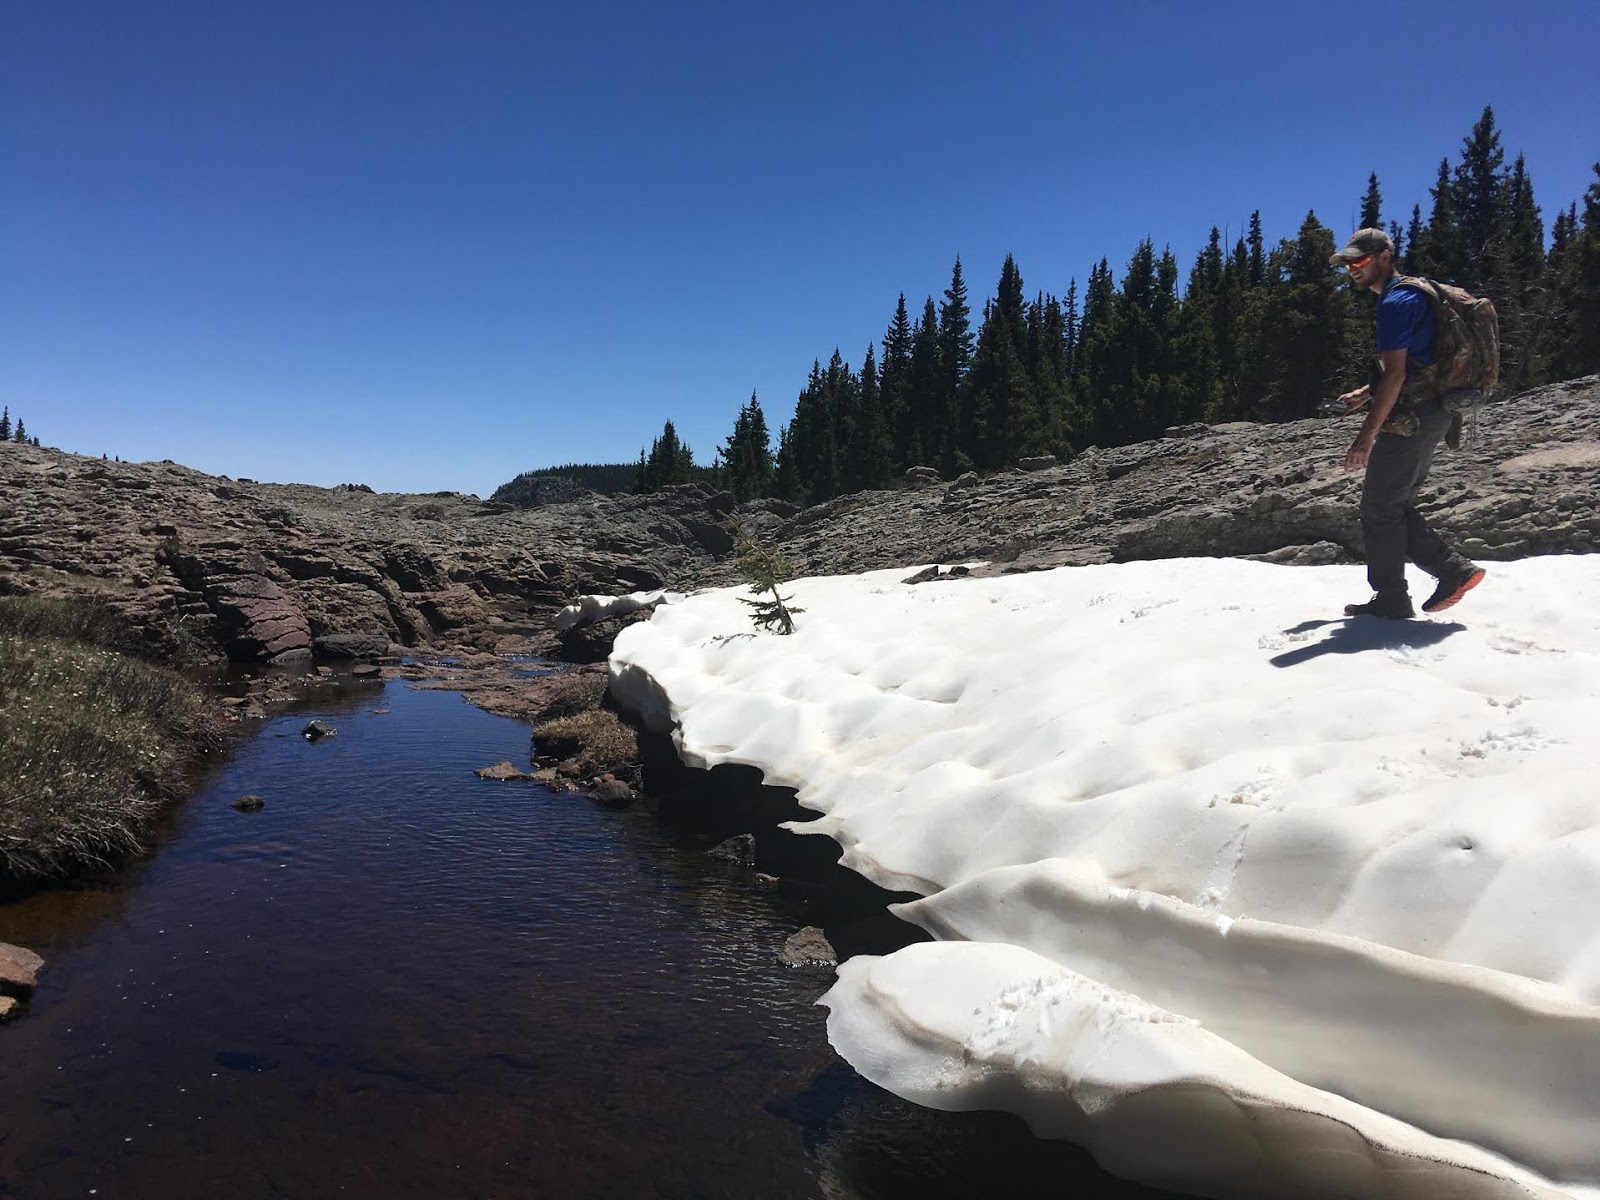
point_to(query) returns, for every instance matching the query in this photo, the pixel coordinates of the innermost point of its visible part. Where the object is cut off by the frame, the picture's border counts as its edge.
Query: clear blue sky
(429, 245)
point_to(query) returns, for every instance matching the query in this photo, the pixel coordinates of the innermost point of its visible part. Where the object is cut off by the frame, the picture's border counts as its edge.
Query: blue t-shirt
(1405, 322)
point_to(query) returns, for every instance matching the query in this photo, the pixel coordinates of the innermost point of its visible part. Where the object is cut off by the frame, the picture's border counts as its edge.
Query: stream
(399, 980)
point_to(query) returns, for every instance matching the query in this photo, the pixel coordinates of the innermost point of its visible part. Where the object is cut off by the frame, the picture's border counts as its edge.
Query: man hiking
(1404, 424)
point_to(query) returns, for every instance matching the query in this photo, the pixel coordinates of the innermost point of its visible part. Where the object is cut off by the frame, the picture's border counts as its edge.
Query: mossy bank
(94, 741)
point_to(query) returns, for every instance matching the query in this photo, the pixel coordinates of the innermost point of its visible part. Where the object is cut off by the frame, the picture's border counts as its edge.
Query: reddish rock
(19, 969)
(502, 771)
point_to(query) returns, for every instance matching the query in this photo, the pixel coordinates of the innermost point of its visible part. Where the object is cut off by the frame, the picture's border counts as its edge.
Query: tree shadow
(1352, 635)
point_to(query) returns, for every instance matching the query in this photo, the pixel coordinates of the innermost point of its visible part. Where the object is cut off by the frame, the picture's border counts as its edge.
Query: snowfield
(1248, 899)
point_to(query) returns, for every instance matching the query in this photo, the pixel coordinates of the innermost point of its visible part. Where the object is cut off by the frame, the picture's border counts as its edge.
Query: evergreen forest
(1255, 332)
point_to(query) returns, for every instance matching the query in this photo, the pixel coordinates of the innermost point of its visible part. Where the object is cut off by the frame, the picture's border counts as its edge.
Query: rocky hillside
(205, 565)
(1526, 481)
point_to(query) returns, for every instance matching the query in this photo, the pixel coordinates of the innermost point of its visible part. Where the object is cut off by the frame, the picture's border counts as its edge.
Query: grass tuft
(92, 741)
(597, 740)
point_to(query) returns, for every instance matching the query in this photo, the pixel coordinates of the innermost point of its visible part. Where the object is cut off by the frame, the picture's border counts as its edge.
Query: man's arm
(1393, 363)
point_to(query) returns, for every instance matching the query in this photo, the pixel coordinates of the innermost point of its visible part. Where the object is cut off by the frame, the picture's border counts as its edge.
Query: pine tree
(5, 424)
(1414, 234)
(1478, 196)
(764, 569)
(955, 332)
(1069, 315)
(1195, 347)
(1372, 205)
(1522, 294)
(955, 359)
(895, 383)
(1258, 265)
(21, 434)
(747, 455)
(1584, 279)
(1000, 419)
(670, 462)
(1560, 328)
(928, 401)
(867, 446)
(1438, 252)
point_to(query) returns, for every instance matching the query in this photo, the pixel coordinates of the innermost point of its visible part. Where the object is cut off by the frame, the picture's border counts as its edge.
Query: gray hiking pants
(1391, 526)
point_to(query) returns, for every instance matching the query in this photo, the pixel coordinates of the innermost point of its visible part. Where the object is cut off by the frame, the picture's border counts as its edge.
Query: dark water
(399, 980)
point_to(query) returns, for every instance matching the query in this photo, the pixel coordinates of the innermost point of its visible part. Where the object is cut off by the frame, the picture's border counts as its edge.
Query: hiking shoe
(1450, 591)
(1389, 607)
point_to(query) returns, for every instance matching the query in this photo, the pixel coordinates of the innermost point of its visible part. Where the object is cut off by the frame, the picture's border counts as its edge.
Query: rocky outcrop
(203, 566)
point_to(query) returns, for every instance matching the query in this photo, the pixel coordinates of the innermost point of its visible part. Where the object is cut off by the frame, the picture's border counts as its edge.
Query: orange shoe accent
(1438, 603)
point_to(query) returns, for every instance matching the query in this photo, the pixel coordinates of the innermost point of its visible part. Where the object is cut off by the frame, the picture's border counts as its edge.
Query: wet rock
(808, 948)
(351, 645)
(501, 770)
(249, 804)
(19, 969)
(740, 850)
(366, 670)
(317, 730)
(614, 793)
(9, 1008)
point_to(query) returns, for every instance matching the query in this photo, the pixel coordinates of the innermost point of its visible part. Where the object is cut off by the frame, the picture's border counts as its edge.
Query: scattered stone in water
(234, 701)
(317, 730)
(366, 670)
(546, 775)
(766, 880)
(613, 792)
(380, 712)
(9, 1008)
(249, 803)
(808, 948)
(501, 770)
(739, 850)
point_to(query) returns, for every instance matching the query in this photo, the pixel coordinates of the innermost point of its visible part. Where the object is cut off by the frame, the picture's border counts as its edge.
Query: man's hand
(1355, 458)
(1351, 401)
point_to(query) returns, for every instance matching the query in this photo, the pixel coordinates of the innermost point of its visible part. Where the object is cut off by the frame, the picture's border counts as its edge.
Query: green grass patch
(92, 740)
(596, 739)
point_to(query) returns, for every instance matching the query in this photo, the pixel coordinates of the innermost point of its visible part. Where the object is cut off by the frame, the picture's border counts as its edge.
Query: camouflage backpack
(1466, 343)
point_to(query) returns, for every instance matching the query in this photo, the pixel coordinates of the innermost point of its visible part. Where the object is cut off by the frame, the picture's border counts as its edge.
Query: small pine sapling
(763, 568)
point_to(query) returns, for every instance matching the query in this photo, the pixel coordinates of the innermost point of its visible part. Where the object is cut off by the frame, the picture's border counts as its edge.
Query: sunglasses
(1359, 262)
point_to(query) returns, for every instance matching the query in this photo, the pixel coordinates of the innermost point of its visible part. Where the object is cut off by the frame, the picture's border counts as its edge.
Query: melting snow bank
(589, 609)
(1249, 903)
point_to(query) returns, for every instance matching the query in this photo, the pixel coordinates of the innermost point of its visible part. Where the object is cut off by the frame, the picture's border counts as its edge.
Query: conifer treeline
(17, 432)
(1256, 333)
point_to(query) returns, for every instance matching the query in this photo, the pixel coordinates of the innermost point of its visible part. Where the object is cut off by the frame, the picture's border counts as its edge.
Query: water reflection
(398, 980)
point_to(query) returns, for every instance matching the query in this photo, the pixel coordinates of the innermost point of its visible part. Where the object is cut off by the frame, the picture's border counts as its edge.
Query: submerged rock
(739, 850)
(317, 730)
(613, 792)
(501, 770)
(249, 804)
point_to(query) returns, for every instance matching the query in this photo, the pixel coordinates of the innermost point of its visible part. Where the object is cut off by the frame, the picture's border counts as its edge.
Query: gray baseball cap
(1362, 242)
